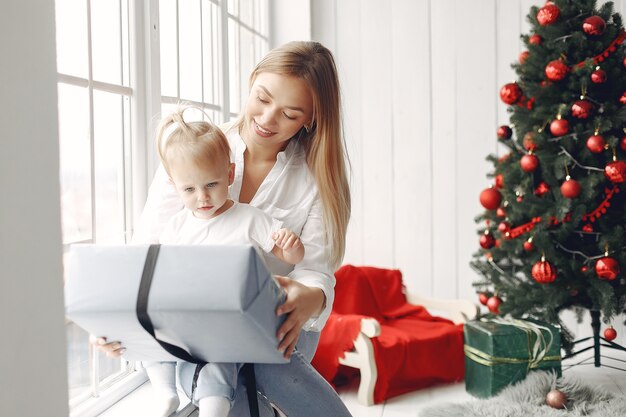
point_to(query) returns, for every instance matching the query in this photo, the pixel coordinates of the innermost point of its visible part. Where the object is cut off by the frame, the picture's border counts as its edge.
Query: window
(94, 130)
(205, 51)
(208, 51)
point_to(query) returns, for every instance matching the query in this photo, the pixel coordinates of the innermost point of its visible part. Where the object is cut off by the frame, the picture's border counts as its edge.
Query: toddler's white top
(240, 224)
(288, 194)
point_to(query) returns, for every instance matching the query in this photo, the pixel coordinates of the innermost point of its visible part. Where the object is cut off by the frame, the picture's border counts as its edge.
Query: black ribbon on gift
(145, 321)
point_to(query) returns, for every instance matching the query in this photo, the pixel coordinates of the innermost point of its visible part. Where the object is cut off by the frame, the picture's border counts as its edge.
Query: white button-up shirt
(288, 193)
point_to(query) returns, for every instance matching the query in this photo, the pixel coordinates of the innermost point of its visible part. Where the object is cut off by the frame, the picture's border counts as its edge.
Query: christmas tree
(552, 235)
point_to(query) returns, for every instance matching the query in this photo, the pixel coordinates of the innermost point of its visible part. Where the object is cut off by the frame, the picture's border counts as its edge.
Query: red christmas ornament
(500, 212)
(607, 268)
(542, 188)
(624, 62)
(535, 40)
(483, 297)
(520, 198)
(594, 26)
(598, 76)
(622, 144)
(615, 172)
(548, 14)
(584, 268)
(596, 143)
(559, 127)
(622, 99)
(581, 109)
(504, 132)
(610, 333)
(523, 56)
(487, 241)
(510, 93)
(529, 162)
(490, 198)
(588, 228)
(529, 141)
(543, 271)
(493, 304)
(556, 70)
(529, 246)
(570, 188)
(556, 399)
(504, 227)
(499, 183)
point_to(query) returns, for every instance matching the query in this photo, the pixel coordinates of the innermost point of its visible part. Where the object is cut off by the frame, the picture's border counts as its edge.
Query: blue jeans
(296, 388)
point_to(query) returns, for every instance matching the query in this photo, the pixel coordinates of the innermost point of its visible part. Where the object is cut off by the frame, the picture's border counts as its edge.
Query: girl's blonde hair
(201, 141)
(323, 140)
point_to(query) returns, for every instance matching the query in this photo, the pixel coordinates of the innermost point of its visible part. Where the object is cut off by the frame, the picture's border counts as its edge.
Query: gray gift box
(217, 303)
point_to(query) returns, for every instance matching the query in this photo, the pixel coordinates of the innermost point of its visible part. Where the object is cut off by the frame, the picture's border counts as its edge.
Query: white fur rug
(527, 398)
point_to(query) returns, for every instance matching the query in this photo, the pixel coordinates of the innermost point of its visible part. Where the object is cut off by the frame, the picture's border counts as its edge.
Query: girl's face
(203, 187)
(277, 108)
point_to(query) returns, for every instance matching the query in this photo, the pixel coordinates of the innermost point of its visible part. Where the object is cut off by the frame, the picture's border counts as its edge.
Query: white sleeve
(162, 203)
(262, 228)
(315, 270)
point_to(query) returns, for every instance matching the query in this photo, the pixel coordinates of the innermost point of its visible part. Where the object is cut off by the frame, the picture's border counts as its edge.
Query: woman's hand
(302, 303)
(111, 349)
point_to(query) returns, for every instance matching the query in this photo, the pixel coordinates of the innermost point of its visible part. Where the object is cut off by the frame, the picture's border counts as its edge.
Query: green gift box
(500, 352)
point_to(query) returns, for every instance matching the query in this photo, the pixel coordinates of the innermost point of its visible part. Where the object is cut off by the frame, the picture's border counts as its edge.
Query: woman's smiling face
(277, 108)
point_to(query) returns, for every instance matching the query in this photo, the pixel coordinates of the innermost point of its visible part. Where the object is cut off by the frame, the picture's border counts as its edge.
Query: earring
(307, 128)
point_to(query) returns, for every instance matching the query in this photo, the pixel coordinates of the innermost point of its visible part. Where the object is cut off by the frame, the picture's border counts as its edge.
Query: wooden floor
(409, 405)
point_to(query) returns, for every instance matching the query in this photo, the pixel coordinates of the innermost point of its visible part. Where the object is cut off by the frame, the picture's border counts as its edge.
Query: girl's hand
(112, 349)
(302, 303)
(287, 240)
(290, 248)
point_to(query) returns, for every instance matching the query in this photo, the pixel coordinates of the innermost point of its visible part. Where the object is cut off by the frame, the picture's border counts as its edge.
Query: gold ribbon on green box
(497, 353)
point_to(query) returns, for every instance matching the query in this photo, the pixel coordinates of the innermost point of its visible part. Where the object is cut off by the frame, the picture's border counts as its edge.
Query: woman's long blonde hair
(323, 139)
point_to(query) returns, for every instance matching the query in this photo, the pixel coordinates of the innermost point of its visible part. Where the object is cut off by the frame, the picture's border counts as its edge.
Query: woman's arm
(309, 287)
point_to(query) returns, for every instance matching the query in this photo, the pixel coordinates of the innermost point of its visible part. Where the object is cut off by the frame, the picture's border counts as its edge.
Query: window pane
(261, 21)
(71, 37)
(233, 7)
(167, 39)
(190, 50)
(211, 54)
(234, 73)
(245, 12)
(106, 41)
(77, 359)
(74, 161)
(109, 166)
(248, 60)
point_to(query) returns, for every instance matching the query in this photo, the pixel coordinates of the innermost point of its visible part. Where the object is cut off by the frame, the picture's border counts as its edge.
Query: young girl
(290, 162)
(196, 156)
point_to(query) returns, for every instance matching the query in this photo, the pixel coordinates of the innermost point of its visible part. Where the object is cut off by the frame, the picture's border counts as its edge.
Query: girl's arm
(287, 246)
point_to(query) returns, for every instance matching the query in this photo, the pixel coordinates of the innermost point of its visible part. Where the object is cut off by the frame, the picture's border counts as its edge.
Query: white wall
(420, 81)
(33, 379)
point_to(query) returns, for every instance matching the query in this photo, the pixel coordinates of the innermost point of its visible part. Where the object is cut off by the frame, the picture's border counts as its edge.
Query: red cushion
(414, 349)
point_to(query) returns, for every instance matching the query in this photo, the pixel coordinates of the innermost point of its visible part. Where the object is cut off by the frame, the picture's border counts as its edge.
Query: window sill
(135, 403)
(111, 396)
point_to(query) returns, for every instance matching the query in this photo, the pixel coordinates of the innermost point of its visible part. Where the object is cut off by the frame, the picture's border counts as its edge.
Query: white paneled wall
(420, 82)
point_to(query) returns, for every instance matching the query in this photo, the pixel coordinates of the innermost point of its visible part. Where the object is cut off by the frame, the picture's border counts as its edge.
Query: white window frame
(144, 91)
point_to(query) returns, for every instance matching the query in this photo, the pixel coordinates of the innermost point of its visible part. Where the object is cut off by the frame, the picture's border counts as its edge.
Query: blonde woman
(290, 162)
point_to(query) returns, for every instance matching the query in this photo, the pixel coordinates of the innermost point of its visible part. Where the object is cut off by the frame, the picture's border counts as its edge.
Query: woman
(290, 162)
